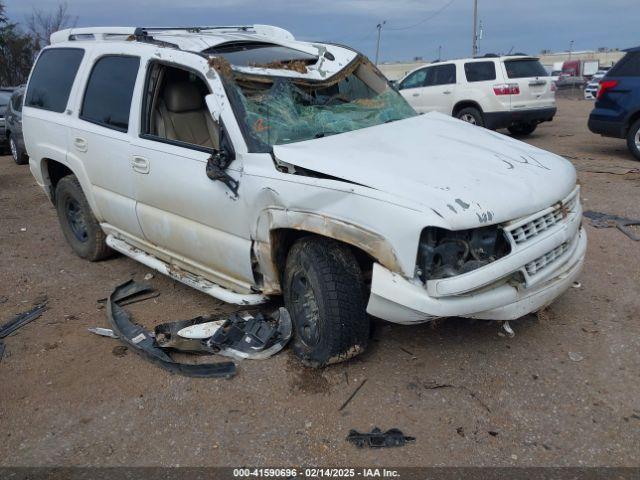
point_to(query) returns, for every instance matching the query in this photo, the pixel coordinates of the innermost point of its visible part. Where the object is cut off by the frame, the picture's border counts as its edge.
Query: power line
(424, 20)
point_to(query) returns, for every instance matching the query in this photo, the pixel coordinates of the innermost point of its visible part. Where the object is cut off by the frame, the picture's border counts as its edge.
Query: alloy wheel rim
(14, 149)
(637, 139)
(467, 117)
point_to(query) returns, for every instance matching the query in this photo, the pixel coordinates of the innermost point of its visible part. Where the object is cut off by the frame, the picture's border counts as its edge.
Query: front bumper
(495, 120)
(538, 270)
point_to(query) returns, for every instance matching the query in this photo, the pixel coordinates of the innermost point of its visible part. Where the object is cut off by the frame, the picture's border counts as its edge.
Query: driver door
(190, 220)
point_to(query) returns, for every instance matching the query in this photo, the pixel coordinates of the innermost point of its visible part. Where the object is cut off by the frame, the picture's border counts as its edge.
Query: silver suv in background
(13, 128)
(513, 92)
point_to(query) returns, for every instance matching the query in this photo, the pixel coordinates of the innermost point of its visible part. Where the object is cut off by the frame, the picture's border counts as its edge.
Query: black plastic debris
(252, 336)
(22, 319)
(379, 439)
(1, 350)
(143, 342)
(606, 220)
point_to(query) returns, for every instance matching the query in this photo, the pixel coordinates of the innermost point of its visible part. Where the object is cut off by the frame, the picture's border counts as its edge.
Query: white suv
(513, 92)
(247, 164)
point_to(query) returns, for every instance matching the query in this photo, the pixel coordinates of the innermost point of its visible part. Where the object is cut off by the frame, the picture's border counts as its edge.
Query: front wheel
(324, 293)
(633, 139)
(522, 129)
(471, 115)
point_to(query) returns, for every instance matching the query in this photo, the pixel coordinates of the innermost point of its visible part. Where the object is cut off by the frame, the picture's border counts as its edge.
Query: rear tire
(324, 293)
(79, 225)
(19, 155)
(522, 129)
(471, 115)
(633, 139)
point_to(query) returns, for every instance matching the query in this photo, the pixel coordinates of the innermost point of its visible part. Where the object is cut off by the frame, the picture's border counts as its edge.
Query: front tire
(471, 115)
(325, 295)
(633, 139)
(522, 129)
(19, 156)
(79, 226)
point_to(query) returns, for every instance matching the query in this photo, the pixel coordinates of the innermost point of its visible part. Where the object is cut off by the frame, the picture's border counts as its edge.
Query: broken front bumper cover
(398, 300)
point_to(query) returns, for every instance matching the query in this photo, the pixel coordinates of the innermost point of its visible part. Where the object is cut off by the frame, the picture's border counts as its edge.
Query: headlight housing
(443, 253)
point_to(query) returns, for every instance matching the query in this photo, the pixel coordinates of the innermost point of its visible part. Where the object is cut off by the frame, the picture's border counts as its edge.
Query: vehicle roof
(489, 57)
(632, 49)
(200, 39)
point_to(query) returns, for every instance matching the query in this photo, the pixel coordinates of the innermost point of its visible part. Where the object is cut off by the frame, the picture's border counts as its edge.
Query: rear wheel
(79, 226)
(471, 115)
(633, 139)
(522, 129)
(324, 293)
(19, 156)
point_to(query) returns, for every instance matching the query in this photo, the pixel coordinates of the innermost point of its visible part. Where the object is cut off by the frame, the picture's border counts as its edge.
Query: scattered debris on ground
(143, 341)
(1, 350)
(22, 319)
(606, 220)
(351, 397)
(575, 357)
(379, 439)
(242, 335)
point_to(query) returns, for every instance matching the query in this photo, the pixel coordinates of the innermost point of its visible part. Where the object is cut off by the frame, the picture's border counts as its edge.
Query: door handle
(140, 164)
(447, 92)
(416, 94)
(80, 144)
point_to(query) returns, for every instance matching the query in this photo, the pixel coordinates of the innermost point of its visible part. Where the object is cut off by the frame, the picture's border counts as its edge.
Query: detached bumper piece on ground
(240, 336)
(606, 220)
(18, 321)
(379, 439)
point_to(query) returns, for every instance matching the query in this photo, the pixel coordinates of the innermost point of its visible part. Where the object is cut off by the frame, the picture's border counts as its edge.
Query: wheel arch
(466, 104)
(279, 229)
(634, 117)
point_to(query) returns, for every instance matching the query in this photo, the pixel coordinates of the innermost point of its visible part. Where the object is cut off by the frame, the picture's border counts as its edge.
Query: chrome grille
(547, 259)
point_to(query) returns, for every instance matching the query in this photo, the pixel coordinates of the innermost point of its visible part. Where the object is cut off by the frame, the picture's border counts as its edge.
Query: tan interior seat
(182, 115)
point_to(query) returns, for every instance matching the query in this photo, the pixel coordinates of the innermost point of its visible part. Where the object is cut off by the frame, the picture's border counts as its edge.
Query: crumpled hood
(466, 174)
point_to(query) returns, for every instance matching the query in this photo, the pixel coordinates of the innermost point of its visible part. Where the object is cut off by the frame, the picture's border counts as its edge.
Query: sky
(413, 28)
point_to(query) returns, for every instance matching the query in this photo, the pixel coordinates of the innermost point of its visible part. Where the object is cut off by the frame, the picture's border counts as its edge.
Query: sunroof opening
(252, 54)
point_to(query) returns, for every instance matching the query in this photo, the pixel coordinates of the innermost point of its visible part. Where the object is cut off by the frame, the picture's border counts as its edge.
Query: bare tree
(41, 24)
(16, 52)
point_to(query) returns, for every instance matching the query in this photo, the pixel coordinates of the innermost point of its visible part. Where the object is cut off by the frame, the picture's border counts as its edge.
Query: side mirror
(218, 162)
(214, 106)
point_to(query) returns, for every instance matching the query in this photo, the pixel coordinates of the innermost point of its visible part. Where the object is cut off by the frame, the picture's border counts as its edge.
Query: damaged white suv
(247, 164)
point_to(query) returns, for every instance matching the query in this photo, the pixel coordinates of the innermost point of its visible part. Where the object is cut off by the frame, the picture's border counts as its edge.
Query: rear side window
(628, 66)
(107, 99)
(525, 68)
(480, 71)
(16, 102)
(441, 75)
(52, 78)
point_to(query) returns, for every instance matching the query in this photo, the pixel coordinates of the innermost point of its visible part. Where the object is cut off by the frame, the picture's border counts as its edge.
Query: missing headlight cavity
(443, 253)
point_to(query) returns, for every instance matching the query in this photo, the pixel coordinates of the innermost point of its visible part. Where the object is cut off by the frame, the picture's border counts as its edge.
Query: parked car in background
(5, 96)
(567, 81)
(13, 120)
(248, 164)
(617, 109)
(591, 89)
(512, 92)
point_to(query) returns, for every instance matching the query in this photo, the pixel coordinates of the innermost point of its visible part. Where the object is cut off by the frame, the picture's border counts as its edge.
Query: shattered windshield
(287, 110)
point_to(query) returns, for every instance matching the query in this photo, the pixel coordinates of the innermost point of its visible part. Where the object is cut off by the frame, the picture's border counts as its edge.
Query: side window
(480, 71)
(52, 78)
(629, 66)
(107, 98)
(175, 111)
(442, 75)
(415, 80)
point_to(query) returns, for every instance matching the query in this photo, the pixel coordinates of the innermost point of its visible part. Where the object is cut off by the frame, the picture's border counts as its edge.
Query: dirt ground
(67, 399)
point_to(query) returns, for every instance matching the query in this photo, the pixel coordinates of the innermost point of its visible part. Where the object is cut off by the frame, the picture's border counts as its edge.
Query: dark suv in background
(617, 108)
(5, 96)
(13, 127)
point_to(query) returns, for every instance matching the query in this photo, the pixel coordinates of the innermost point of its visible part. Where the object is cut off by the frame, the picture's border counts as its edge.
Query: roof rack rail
(146, 33)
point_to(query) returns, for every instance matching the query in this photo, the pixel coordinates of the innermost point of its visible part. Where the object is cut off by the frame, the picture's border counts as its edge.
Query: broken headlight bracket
(444, 253)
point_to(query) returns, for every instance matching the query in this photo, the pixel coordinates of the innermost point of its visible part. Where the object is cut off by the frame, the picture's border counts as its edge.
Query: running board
(193, 281)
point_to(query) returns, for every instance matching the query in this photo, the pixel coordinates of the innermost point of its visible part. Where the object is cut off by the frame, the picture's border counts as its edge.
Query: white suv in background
(513, 92)
(248, 164)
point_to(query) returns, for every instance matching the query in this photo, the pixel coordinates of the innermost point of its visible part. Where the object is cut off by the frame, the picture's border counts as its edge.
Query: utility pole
(474, 48)
(570, 48)
(439, 52)
(379, 27)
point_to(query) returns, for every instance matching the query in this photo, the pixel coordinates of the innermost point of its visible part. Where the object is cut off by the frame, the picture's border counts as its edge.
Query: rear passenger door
(99, 138)
(412, 89)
